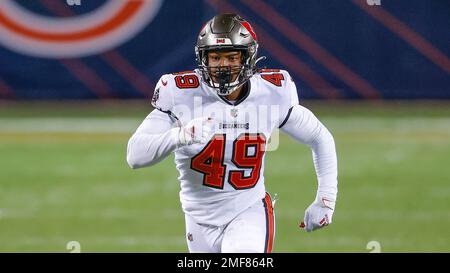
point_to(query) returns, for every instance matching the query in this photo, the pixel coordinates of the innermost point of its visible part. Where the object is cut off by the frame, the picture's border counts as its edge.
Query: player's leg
(253, 230)
(202, 238)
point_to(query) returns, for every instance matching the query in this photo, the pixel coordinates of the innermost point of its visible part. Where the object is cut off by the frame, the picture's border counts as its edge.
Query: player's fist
(198, 130)
(318, 214)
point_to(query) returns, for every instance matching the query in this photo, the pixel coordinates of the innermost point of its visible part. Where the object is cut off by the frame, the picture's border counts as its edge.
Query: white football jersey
(225, 176)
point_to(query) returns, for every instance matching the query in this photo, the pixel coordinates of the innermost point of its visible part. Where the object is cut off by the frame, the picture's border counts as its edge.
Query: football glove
(318, 214)
(198, 130)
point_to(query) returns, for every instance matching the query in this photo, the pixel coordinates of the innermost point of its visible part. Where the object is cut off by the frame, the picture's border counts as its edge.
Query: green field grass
(64, 177)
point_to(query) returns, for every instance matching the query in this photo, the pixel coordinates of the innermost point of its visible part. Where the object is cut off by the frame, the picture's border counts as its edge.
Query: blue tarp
(333, 48)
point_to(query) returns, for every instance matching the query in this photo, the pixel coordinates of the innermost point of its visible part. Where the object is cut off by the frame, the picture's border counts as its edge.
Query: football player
(217, 120)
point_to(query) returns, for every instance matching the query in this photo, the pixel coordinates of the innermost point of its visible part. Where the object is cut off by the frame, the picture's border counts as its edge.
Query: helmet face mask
(222, 77)
(227, 33)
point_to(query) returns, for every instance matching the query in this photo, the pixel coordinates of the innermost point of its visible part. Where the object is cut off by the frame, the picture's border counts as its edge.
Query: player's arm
(159, 134)
(156, 138)
(153, 140)
(303, 125)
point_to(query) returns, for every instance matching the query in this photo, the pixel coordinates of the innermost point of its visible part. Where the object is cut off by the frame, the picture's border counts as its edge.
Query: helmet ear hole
(244, 56)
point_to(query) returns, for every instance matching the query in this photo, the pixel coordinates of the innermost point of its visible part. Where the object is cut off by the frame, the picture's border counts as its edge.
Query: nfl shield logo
(234, 112)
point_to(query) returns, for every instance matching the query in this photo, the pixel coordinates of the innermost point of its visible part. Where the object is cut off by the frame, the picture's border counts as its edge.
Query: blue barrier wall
(353, 49)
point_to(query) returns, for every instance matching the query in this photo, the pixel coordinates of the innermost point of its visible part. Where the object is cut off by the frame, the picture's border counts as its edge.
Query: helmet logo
(224, 41)
(249, 28)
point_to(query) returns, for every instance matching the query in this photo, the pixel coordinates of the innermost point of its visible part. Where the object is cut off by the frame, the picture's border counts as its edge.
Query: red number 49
(248, 152)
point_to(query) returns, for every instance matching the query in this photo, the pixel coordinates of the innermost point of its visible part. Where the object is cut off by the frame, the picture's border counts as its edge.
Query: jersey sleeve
(162, 96)
(291, 98)
(305, 128)
(153, 140)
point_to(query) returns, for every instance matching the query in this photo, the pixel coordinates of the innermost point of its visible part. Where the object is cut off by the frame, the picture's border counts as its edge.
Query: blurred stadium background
(75, 82)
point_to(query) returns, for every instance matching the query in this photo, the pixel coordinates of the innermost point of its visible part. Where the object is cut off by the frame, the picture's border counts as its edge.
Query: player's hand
(318, 214)
(199, 130)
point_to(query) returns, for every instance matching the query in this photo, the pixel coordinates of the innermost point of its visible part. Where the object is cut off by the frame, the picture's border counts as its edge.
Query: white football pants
(251, 231)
